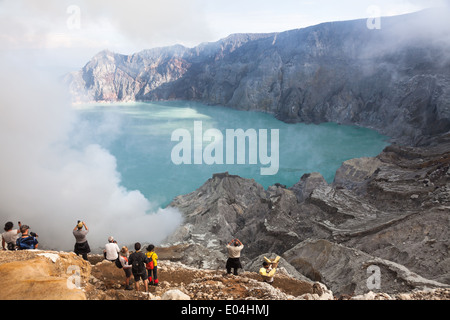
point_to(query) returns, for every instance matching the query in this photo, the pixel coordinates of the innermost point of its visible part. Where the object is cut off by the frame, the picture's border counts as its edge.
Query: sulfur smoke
(49, 185)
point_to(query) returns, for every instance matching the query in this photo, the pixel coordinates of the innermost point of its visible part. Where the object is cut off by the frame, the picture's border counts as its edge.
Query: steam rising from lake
(49, 182)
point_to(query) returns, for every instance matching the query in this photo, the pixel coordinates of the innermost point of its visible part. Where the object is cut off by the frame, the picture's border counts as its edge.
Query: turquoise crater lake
(138, 135)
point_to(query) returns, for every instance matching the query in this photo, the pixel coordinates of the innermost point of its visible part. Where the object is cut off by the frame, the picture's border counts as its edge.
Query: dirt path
(235, 287)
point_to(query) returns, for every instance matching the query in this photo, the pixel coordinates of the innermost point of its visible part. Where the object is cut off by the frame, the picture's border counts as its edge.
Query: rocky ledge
(50, 275)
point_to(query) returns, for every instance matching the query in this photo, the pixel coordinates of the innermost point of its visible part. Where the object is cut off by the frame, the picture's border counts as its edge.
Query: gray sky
(67, 33)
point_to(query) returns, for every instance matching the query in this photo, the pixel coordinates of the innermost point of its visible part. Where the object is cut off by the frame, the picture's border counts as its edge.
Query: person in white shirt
(111, 251)
(234, 254)
(10, 236)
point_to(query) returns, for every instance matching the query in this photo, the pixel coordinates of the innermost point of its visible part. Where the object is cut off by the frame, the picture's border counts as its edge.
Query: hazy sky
(67, 33)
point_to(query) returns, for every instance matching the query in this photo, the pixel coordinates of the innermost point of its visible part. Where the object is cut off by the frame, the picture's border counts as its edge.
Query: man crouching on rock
(269, 269)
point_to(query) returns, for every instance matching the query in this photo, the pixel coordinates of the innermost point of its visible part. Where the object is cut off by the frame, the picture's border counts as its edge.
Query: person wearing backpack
(138, 261)
(122, 263)
(27, 241)
(152, 266)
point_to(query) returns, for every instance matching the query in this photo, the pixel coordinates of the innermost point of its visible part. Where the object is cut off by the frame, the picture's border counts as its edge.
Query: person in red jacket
(152, 266)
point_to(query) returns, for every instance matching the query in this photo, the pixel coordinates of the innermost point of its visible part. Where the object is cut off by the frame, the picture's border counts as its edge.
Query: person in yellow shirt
(269, 269)
(152, 266)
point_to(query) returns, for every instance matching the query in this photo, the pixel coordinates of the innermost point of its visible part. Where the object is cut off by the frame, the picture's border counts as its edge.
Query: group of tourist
(143, 266)
(18, 239)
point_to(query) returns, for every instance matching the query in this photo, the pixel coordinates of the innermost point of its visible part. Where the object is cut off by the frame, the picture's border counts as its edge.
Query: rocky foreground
(50, 275)
(383, 223)
(379, 231)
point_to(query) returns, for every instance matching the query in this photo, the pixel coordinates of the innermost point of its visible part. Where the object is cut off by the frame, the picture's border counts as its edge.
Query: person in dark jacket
(138, 261)
(27, 240)
(234, 254)
(81, 243)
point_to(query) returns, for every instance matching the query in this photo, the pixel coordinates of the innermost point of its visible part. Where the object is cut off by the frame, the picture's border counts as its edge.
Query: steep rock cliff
(391, 211)
(395, 79)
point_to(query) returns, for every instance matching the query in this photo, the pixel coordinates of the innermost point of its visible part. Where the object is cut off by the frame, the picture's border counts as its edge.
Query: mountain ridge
(390, 211)
(395, 80)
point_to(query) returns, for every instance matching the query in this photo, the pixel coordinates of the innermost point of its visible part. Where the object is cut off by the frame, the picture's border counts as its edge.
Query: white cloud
(133, 25)
(49, 23)
(49, 184)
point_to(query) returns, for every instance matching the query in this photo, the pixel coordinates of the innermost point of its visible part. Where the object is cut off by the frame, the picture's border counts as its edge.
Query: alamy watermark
(374, 280)
(74, 280)
(229, 148)
(73, 22)
(374, 19)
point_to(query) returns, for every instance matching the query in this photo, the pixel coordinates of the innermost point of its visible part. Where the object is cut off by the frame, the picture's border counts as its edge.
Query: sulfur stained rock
(40, 277)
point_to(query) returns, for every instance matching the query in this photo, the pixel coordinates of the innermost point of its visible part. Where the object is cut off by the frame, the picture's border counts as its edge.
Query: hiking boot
(128, 288)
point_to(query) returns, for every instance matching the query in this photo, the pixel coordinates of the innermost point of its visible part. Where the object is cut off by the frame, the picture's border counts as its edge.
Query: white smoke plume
(49, 185)
(106, 23)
